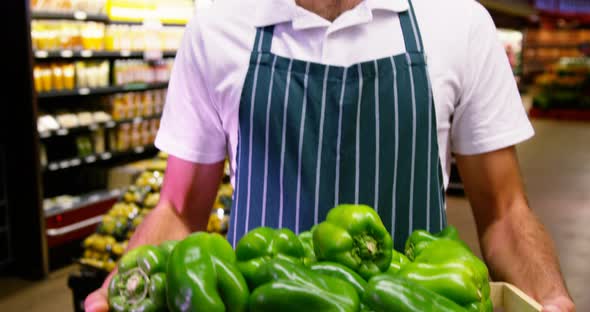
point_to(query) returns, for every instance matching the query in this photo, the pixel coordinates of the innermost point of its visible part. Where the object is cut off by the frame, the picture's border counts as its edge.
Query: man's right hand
(186, 198)
(97, 301)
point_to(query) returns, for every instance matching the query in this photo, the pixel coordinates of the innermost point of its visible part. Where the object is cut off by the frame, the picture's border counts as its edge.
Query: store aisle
(556, 167)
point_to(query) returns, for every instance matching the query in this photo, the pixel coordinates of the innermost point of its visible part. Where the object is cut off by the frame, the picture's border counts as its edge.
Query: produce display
(565, 85)
(104, 248)
(346, 263)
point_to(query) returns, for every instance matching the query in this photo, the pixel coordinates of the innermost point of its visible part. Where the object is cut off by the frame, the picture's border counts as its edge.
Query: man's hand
(186, 200)
(514, 243)
(97, 301)
(558, 304)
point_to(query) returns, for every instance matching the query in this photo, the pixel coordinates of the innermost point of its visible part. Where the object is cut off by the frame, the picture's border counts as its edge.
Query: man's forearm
(518, 250)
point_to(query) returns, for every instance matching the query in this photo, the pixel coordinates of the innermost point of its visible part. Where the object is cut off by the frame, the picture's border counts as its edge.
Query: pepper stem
(367, 246)
(136, 285)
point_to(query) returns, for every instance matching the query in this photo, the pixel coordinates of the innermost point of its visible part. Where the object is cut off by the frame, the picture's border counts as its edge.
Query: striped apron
(312, 136)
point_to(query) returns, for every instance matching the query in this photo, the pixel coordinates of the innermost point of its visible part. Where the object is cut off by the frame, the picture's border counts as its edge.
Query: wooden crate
(508, 298)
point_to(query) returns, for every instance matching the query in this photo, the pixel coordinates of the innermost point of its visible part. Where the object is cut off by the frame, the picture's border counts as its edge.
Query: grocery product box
(508, 298)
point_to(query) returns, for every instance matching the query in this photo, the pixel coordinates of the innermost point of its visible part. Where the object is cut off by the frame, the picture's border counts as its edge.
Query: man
(350, 101)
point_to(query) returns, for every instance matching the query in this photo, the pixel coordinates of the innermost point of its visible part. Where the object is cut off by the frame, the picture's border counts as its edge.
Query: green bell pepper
(419, 239)
(344, 273)
(286, 286)
(262, 244)
(140, 283)
(447, 250)
(453, 280)
(202, 276)
(306, 239)
(398, 261)
(354, 235)
(486, 306)
(386, 293)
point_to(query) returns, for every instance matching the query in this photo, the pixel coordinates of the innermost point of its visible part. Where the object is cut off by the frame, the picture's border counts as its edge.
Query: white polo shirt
(478, 106)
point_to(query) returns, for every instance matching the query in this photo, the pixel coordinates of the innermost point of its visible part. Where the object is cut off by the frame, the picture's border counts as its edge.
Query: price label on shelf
(53, 166)
(84, 91)
(80, 15)
(93, 127)
(115, 192)
(64, 164)
(75, 162)
(41, 54)
(62, 132)
(105, 156)
(90, 159)
(67, 53)
(86, 53)
(44, 134)
(139, 149)
(125, 53)
(137, 120)
(153, 55)
(110, 124)
(93, 198)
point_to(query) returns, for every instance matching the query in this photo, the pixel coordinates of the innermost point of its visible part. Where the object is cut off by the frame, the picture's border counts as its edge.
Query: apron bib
(312, 136)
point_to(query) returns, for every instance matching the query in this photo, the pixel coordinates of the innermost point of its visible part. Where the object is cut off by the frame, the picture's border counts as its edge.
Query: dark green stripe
(408, 32)
(386, 141)
(310, 147)
(404, 152)
(348, 140)
(258, 129)
(422, 156)
(294, 109)
(274, 148)
(367, 138)
(329, 149)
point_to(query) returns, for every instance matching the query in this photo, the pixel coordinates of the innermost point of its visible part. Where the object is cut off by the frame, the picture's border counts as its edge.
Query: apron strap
(263, 41)
(410, 30)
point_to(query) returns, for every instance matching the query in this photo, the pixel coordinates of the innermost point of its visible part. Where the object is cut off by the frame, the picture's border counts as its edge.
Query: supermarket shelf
(571, 114)
(141, 23)
(83, 201)
(552, 45)
(517, 10)
(77, 15)
(98, 158)
(103, 90)
(89, 54)
(83, 16)
(108, 125)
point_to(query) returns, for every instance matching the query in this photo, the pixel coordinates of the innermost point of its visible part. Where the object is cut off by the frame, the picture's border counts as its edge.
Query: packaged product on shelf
(84, 146)
(85, 118)
(92, 74)
(134, 71)
(88, 6)
(47, 123)
(68, 120)
(123, 137)
(135, 136)
(58, 76)
(98, 138)
(101, 116)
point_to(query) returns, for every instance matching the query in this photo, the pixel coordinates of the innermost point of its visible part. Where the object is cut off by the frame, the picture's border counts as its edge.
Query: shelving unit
(94, 126)
(103, 90)
(83, 16)
(129, 155)
(90, 54)
(75, 16)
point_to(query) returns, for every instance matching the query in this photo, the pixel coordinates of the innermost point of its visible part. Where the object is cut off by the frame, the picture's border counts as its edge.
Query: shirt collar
(272, 12)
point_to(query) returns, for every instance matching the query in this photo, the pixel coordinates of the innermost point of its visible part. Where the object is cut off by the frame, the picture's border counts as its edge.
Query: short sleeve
(191, 127)
(490, 114)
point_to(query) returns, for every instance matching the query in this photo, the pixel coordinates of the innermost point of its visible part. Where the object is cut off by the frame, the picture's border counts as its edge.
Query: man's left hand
(559, 304)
